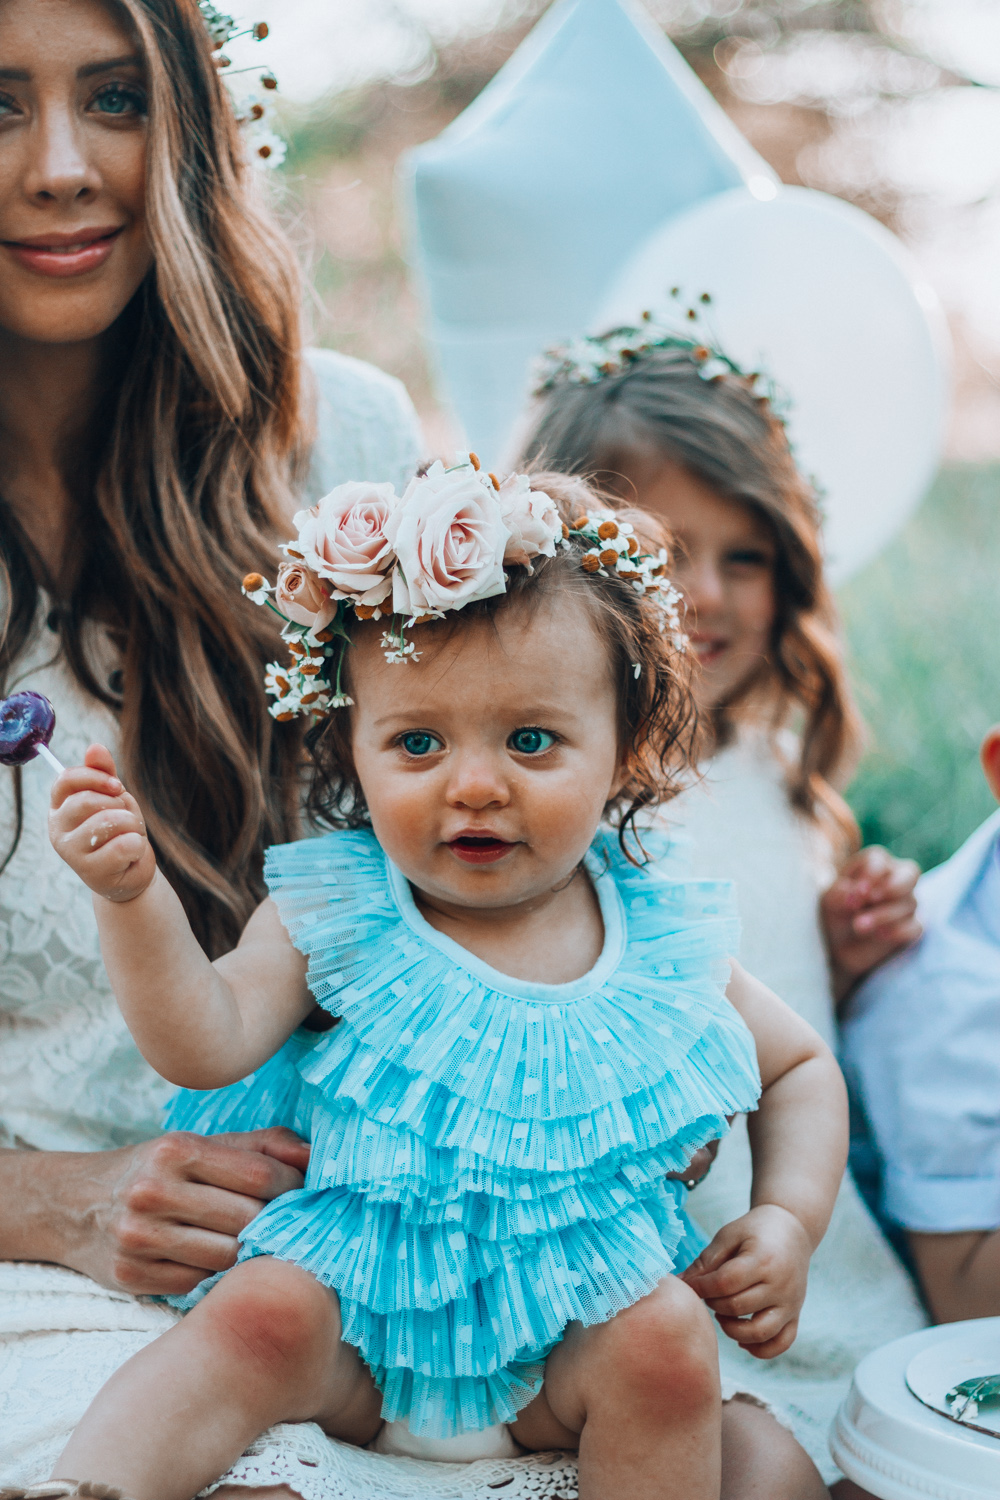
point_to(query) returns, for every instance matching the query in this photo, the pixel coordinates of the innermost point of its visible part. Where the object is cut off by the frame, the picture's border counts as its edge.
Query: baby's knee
(663, 1352)
(274, 1312)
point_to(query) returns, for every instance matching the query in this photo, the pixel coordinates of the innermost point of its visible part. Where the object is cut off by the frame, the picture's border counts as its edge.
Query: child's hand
(753, 1277)
(97, 828)
(868, 914)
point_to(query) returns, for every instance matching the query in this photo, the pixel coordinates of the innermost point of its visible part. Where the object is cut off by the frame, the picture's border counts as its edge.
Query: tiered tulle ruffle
(488, 1154)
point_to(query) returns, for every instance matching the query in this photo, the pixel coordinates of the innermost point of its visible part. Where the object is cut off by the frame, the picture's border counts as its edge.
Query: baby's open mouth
(479, 849)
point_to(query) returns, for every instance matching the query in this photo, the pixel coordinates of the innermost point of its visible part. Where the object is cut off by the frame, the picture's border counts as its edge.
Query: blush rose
(531, 519)
(343, 539)
(300, 595)
(449, 537)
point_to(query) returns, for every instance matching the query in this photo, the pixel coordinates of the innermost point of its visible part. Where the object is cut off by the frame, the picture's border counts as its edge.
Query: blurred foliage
(923, 632)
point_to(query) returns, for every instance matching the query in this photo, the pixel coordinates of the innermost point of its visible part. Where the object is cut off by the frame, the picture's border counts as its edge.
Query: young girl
(532, 1027)
(664, 416)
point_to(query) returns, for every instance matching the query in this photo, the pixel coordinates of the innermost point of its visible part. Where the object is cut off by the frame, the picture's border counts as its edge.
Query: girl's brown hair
(657, 719)
(189, 480)
(731, 440)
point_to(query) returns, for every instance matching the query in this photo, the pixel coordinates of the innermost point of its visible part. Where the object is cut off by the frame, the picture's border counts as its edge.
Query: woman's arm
(199, 1024)
(753, 1274)
(149, 1219)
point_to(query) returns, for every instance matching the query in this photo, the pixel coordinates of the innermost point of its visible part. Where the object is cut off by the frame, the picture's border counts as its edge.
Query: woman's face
(73, 245)
(724, 566)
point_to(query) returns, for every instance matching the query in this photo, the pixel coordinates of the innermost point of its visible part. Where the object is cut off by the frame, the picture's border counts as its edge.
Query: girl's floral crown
(254, 110)
(444, 543)
(584, 361)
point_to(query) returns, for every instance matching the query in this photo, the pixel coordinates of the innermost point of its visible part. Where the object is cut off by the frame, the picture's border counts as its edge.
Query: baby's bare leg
(264, 1346)
(639, 1395)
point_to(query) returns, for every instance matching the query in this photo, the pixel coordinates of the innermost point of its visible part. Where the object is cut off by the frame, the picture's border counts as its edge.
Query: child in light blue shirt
(921, 1050)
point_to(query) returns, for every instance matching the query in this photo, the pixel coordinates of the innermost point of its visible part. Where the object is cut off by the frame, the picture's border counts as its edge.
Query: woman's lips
(479, 849)
(63, 255)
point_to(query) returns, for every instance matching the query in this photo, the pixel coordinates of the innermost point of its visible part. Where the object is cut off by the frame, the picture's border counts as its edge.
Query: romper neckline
(612, 950)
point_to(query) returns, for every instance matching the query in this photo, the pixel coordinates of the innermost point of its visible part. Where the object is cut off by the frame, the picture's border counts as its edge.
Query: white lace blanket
(62, 1336)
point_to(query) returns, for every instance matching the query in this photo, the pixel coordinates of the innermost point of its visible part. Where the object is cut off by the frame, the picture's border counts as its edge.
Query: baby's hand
(97, 828)
(753, 1277)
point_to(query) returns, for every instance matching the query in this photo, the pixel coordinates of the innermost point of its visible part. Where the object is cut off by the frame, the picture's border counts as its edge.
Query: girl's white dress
(737, 824)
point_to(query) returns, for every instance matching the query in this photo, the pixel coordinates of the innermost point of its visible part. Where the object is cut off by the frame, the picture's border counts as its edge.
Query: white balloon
(829, 303)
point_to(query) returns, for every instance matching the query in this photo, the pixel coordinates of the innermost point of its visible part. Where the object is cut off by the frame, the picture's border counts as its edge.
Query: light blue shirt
(921, 1051)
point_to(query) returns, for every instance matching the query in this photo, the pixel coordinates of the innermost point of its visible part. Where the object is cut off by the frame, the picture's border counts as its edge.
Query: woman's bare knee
(761, 1460)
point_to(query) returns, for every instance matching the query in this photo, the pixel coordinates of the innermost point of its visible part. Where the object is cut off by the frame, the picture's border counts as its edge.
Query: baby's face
(486, 765)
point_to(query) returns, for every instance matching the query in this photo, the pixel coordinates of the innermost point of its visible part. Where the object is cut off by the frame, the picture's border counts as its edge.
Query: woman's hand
(753, 1277)
(868, 914)
(97, 827)
(155, 1218)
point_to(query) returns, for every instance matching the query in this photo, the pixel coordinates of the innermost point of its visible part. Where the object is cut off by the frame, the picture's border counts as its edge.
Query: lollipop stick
(53, 760)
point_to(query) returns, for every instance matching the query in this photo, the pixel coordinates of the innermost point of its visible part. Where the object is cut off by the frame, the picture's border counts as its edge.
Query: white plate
(933, 1372)
(894, 1445)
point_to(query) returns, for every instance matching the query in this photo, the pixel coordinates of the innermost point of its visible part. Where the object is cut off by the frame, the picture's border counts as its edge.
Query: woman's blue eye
(531, 741)
(419, 742)
(116, 100)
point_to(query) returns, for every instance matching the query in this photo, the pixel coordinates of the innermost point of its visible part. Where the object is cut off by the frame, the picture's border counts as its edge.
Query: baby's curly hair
(657, 718)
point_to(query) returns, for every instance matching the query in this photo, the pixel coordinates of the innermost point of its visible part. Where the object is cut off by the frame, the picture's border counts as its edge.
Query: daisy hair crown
(254, 92)
(365, 553)
(586, 360)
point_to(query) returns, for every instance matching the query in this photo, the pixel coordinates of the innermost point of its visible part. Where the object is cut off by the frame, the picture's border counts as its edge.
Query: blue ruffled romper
(488, 1154)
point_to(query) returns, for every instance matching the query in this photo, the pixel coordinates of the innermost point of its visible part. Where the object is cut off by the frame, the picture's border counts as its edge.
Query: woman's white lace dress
(738, 825)
(71, 1078)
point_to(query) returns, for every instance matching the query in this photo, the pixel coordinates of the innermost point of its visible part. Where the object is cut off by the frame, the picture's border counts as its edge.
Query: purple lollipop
(26, 723)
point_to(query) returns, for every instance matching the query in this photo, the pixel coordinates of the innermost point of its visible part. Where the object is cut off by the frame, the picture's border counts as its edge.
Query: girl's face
(486, 765)
(723, 564)
(73, 244)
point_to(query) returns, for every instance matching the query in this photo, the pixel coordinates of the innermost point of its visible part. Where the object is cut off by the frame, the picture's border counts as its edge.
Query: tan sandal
(64, 1489)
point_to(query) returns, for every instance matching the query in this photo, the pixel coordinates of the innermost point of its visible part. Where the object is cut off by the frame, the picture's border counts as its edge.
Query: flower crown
(254, 111)
(444, 543)
(586, 360)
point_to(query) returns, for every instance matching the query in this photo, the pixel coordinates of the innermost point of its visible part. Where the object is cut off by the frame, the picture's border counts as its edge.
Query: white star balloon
(596, 171)
(826, 301)
(523, 209)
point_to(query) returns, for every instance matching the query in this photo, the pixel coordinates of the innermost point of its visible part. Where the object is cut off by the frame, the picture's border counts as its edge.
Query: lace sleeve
(366, 427)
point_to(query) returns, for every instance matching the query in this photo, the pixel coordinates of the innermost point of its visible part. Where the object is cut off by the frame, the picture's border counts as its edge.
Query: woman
(154, 415)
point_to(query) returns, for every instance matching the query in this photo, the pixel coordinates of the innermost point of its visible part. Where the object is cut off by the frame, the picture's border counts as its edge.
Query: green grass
(923, 634)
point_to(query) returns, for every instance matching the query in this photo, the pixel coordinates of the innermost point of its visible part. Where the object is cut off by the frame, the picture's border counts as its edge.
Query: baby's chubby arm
(199, 1024)
(753, 1274)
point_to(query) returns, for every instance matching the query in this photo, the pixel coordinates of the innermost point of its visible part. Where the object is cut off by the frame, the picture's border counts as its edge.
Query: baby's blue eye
(531, 741)
(419, 742)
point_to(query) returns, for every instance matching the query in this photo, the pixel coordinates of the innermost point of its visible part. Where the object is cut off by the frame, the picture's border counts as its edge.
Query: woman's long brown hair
(201, 434)
(731, 440)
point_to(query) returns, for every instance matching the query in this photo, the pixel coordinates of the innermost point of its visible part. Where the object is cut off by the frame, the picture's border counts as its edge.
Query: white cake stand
(899, 1448)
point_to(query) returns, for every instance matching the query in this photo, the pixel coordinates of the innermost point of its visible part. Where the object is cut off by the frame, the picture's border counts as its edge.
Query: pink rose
(531, 518)
(343, 540)
(449, 538)
(300, 595)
